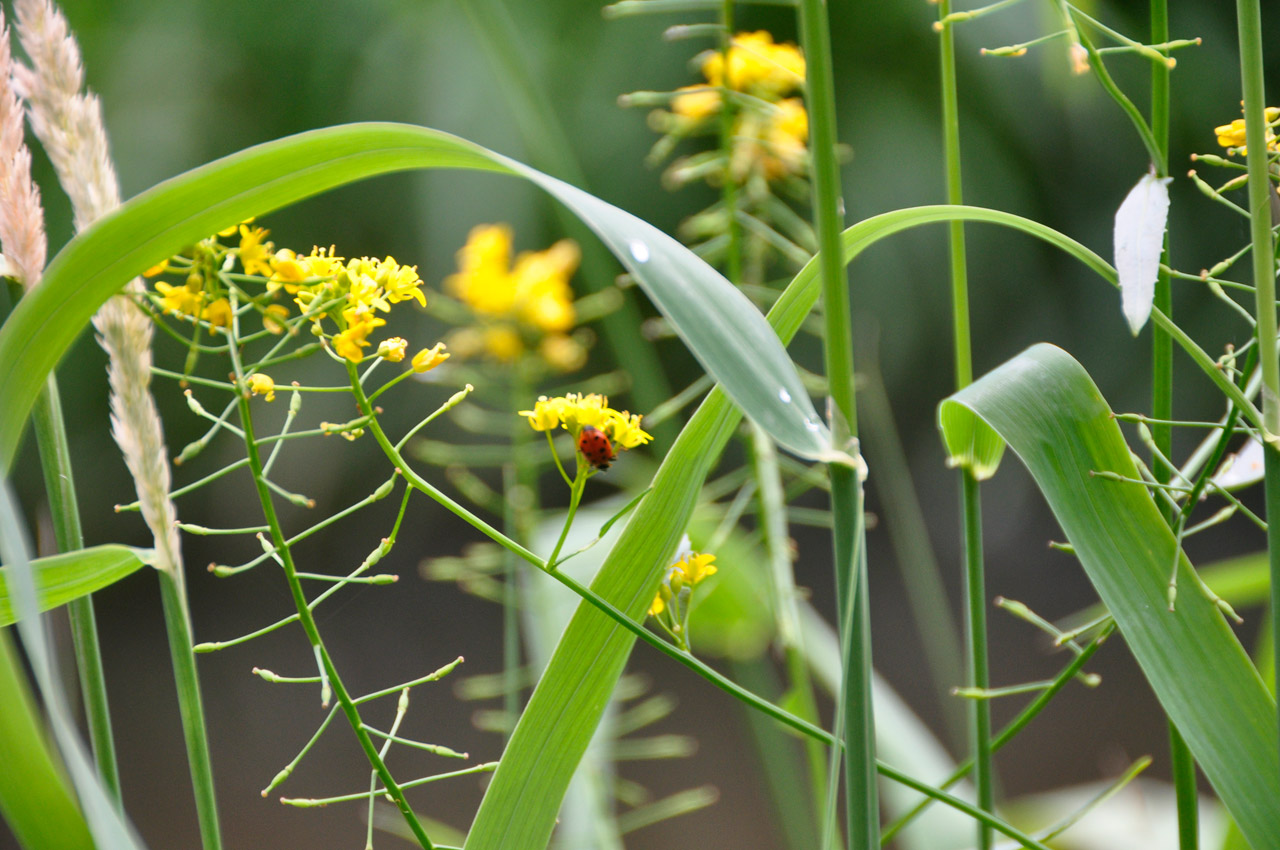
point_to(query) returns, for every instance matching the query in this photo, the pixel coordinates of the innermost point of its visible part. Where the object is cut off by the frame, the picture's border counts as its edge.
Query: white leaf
(1241, 469)
(1139, 239)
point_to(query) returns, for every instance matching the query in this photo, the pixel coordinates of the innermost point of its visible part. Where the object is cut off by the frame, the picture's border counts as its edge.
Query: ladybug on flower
(599, 431)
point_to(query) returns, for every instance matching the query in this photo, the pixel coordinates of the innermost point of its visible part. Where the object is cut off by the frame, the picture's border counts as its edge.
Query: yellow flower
(757, 65)
(697, 104)
(360, 323)
(534, 293)
(273, 318)
(575, 411)
(393, 349)
(288, 269)
(158, 269)
(255, 252)
(658, 606)
(541, 281)
(400, 282)
(218, 314)
(1232, 136)
(182, 300)
(775, 145)
(261, 384)
(695, 567)
(429, 358)
(231, 231)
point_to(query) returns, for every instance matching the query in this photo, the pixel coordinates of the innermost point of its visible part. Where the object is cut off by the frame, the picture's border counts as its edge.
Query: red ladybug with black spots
(595, 447)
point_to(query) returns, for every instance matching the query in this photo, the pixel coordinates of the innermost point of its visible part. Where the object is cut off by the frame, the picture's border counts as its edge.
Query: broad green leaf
(1050, 412)
(721, 327)
(97, 816)
(62, 578)
(971, 444)
(35, 800)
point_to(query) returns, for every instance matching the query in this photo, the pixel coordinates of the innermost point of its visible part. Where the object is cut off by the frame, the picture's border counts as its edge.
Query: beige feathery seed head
(21, 214)
(66, 120)
(69, 124)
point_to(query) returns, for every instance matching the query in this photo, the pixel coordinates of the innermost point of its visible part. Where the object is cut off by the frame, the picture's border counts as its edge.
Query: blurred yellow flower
(695, 567)
(757, 66)
(218, 314)
(274, 317)
(531, 297)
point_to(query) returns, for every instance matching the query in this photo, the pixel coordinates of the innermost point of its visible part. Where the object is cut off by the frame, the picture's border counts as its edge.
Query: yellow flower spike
(274, 317)
(218, 313)
(262, 384)
(429, 358)
(393, 349)
(255, 251)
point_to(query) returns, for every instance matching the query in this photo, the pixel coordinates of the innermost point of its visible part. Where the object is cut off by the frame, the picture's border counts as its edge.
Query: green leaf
(97, 815)
(62, 578)
(970, 442)
(1049, 410)
(34, 798)
(721, 327)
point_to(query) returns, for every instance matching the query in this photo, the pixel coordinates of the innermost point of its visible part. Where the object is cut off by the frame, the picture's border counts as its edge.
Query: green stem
(862, 805)
(728, 188)
(575, 498)
(975, 580)
(55, 461)
(1015, 726)
(1249, 19)
(191, 707)
(1183, 765)
(309, 623)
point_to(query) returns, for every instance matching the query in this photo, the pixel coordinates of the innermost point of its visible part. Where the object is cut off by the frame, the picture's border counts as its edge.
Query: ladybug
(595, 447)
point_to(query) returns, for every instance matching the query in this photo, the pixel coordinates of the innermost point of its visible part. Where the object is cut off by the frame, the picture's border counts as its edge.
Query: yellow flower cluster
(528, 302)
(350, 293)
(576, 411)
(1231, 136)
(771, 137)
(684, 573)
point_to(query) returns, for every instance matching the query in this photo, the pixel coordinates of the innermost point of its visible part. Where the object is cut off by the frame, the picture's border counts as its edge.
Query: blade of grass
(1050, 412)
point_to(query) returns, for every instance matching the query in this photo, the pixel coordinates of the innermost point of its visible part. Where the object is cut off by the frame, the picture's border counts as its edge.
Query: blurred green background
(183, 83)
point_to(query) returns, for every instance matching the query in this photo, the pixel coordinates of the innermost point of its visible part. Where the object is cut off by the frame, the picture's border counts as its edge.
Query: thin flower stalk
(971, 522)
(1249, 20)
(862, 805)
